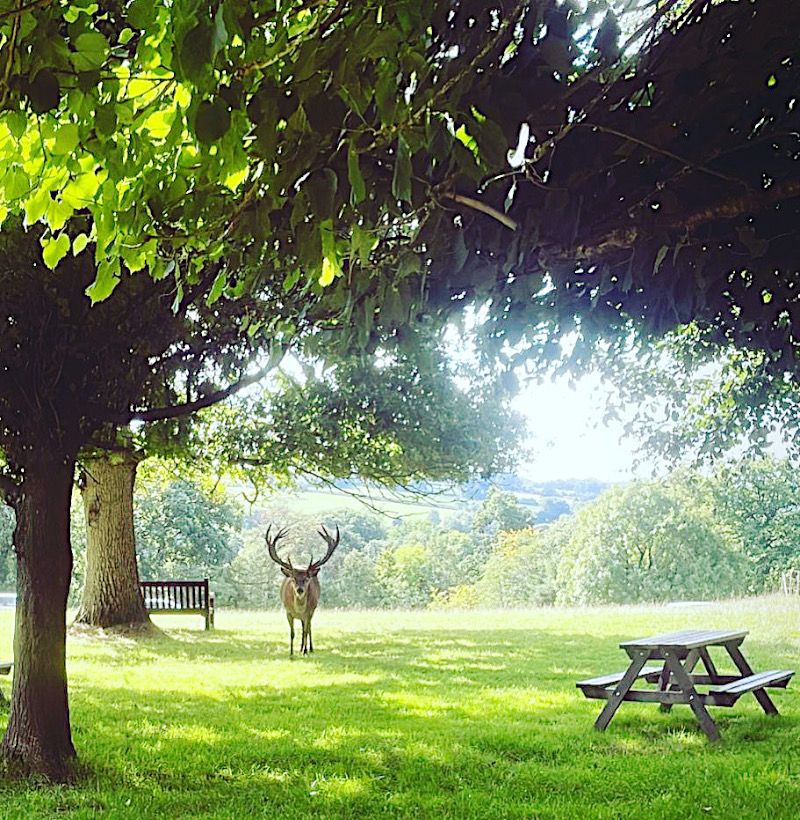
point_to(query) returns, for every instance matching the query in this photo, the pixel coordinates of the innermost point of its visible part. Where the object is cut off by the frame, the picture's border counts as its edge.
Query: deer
(300, 588)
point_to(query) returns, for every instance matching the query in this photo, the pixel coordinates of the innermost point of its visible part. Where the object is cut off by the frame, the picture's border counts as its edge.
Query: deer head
(300, 577)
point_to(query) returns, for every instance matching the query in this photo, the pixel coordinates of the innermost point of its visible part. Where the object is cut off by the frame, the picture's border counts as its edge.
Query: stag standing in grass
(300, 587)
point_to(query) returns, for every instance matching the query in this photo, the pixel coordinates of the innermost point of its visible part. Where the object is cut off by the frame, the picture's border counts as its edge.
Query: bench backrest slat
(190, 597)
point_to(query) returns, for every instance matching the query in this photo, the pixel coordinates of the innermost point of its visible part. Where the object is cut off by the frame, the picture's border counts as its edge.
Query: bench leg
(744, 667)
(620, 690)
(695, 702)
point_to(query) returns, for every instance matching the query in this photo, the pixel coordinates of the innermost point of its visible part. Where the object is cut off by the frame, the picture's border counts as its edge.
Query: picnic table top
(687, 639)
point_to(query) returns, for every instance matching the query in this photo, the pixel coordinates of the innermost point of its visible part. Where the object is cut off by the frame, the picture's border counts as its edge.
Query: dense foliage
(687, 538)
(364, 149)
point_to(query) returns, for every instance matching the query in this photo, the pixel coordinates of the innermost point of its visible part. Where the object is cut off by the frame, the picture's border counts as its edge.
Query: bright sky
(568, 436)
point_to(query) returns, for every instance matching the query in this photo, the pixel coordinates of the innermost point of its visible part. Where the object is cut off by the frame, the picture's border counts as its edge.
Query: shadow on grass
(406, 725)
(451, 723)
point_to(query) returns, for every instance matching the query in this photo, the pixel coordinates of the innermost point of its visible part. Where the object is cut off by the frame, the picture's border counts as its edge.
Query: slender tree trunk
(111, 594)
(38, 738)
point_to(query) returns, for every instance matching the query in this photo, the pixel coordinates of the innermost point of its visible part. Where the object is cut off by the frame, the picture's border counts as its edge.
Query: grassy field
(320, 502)
(413, 715)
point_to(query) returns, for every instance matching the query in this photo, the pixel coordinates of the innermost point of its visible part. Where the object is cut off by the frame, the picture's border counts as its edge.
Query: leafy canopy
(582, 168)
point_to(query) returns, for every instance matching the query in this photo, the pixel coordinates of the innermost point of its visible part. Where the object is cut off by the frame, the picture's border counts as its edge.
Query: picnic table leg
(638, 660)
(685, 685)
(744, 667)
(663, 683)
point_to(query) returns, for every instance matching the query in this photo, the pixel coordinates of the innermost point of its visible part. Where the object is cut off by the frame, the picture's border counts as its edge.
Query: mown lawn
(424, 715)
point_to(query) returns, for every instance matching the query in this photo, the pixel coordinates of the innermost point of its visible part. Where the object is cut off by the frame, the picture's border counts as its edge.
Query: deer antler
(332, 544)
(273, 553)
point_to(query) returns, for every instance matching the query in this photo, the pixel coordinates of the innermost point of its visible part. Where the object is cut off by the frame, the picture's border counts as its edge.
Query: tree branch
(179, 410)
(36, 4)
(657, 150)
(477, 205)
(729, 208)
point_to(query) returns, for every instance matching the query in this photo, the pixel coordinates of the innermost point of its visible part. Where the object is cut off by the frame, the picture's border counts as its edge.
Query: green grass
(413, 715)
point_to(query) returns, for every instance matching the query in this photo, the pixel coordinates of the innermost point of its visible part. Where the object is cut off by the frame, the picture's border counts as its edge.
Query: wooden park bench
(179, 597)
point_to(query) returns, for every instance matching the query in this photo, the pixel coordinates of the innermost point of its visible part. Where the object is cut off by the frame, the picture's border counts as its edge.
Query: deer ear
(286, 572)
(312, 571)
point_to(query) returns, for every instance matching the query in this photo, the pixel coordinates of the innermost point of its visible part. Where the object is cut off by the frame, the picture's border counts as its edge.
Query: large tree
(71, 374)
(355, 157)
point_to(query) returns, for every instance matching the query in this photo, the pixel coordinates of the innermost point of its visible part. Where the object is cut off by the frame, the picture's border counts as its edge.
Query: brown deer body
(300, 589)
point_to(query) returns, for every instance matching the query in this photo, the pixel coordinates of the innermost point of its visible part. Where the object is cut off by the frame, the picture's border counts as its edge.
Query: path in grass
(430, 715)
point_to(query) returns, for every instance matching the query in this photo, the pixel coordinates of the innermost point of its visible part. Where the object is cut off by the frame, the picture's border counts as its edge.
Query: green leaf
(320, 188)
(196, 53)
(361, 243)
(212, 121)
(67, 139)
(662, 252)
(17, 123)
(460, 251)
(357, 187)
(58, 213)
(80, 191)
(401, 180)
(141, 13)
(17, 184)
(409, 263)
(36, 206)
(105, 120)
(91, 52)
(107, 279)
(492, 143)
(220, 35)
(386, 91)
(330, 270)
(79, 243)
(54, 250)
(327, 238)
(44, 92)
(176, 130)
(217, 288)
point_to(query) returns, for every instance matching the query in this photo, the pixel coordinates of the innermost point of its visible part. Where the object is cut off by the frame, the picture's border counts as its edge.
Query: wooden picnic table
(676, 682)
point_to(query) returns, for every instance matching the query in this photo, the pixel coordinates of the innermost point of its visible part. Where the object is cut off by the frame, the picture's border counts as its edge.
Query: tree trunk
(38, 738)
(111, 594)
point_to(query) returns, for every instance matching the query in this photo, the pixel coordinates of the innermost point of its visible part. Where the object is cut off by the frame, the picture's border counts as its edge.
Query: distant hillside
(549, 499)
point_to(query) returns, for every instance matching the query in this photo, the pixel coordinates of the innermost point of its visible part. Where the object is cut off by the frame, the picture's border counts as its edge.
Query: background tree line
(690, 536)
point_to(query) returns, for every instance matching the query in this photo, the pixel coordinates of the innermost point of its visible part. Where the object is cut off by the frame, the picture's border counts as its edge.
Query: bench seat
(729, 693)
(604, 681)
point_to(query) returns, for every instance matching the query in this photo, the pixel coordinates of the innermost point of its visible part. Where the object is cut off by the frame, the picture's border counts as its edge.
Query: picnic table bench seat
(179, 597)
(729, 693)
(650, 673)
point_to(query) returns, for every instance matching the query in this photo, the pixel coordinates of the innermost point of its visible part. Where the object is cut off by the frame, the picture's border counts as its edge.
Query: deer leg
(291, 634)
(310, 642)
(305, 636)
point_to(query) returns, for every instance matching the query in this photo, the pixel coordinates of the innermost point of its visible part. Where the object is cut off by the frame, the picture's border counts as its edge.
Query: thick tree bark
(38, 738)
(111, 594)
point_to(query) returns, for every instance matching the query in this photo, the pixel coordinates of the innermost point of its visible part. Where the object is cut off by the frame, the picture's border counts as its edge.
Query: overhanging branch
(729, 208)
(477, 205)
(179, 410)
